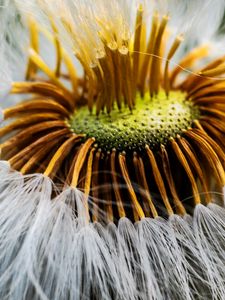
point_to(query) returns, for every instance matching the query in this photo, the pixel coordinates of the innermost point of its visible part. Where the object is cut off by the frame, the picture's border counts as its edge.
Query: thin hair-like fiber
(49, 251)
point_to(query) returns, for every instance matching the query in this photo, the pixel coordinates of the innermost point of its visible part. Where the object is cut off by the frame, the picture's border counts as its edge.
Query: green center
(152, 122)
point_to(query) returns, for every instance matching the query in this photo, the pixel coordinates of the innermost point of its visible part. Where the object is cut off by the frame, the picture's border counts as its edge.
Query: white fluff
(49, 251)
(209, 229)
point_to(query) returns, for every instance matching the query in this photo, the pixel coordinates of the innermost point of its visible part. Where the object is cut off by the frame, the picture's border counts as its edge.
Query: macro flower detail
(124, 123)
(113, 168)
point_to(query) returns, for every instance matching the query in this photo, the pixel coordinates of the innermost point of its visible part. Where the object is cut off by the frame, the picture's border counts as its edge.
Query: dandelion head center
(152, 122)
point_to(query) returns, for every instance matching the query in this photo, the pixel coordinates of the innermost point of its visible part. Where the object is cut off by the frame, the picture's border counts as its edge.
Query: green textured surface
(152, 122)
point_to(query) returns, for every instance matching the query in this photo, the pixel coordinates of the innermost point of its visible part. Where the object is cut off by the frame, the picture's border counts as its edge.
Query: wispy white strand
(192, 261)
(117, 245)
(14, 235)
(164, 257)
(48, 250)
(130, 249)
(209, 229)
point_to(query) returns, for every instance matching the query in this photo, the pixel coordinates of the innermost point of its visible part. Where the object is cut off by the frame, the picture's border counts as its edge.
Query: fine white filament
(49, 251)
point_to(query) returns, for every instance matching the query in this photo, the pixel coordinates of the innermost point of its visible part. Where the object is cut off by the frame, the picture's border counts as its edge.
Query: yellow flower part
(131, 130)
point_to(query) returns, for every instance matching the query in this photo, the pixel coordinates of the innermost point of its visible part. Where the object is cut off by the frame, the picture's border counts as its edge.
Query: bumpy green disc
(152, 122)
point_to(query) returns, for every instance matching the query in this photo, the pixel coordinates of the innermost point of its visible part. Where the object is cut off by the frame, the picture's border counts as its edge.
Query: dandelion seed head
(133, 117)
(112, 167)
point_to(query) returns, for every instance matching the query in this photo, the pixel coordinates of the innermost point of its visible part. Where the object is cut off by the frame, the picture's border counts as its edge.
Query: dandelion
(112, 171)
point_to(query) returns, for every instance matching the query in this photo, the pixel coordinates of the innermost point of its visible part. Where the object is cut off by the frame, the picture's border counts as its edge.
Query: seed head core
(152, 122)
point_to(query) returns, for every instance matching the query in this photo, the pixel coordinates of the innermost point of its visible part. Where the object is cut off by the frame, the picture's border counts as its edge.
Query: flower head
(130, 124)
(115, 118)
